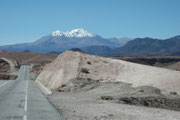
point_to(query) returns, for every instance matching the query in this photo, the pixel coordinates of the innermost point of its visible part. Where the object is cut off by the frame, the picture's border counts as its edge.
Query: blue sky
(24, 21)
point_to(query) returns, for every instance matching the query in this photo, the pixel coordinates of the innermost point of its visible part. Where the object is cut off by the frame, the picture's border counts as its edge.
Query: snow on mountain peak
(73, 33)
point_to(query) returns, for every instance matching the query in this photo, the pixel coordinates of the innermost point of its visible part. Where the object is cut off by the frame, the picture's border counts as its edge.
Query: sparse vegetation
(107, 98)
(141, 90)
(89, 79)
(4, 76)
(85, 70)
(63, 88)
(134, 101)
(88, 62)
(173, 93)
(154, 101)
(105, 62)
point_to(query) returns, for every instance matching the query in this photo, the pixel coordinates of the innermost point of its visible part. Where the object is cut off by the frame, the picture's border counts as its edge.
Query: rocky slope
(73, 66)
(8, 69)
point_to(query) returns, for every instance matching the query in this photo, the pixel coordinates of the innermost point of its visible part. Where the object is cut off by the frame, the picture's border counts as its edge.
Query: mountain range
(61, 41)
(150, 47)
(58, 41)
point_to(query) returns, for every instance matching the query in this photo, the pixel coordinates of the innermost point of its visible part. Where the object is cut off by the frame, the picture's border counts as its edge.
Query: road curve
(21, 99)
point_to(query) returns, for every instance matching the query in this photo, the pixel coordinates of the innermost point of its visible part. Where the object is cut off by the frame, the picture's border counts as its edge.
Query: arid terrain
(28, 57)
(35, 60)
(8, 69)
(89, 87)
(90, 106)
(90, 60)
(170, 62)
(38, 61)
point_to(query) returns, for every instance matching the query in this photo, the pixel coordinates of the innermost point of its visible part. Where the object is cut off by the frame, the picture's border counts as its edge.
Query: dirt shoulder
(83, 106)
(104, 101)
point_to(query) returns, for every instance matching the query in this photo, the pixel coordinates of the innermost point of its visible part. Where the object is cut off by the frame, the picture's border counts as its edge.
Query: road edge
(44, 89)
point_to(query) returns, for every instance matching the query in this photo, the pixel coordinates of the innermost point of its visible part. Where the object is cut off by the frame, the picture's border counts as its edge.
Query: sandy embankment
(71, 65)
(90, 77)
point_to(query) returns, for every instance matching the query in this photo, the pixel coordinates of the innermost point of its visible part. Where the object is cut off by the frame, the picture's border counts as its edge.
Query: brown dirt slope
(28, 57)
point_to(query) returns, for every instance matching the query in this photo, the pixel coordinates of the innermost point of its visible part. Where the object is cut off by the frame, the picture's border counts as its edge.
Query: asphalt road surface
(21, 99)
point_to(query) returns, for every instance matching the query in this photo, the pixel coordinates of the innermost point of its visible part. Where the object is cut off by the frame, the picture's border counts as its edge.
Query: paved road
(21, 99)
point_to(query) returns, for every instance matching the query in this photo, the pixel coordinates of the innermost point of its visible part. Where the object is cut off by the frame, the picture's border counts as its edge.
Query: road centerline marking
(25, 103)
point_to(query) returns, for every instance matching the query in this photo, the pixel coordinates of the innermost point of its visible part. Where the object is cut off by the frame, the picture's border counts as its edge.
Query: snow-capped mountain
(73, 33)
(58, 41)
(61, 41)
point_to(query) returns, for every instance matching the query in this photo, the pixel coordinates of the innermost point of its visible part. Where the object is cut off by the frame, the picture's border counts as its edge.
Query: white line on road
(25, 117)
(4, 83)
(25, 107)
(25, 104)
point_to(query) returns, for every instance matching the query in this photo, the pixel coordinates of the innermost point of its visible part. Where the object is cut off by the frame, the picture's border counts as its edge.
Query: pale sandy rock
(69, 65)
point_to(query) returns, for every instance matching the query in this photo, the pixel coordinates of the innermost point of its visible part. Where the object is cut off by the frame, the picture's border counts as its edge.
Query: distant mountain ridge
(61, 41)
(120, 41)
(97, 50)
(150, 47)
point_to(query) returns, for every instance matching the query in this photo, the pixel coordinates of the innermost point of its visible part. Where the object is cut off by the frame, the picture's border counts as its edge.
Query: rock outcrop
(8, 69)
